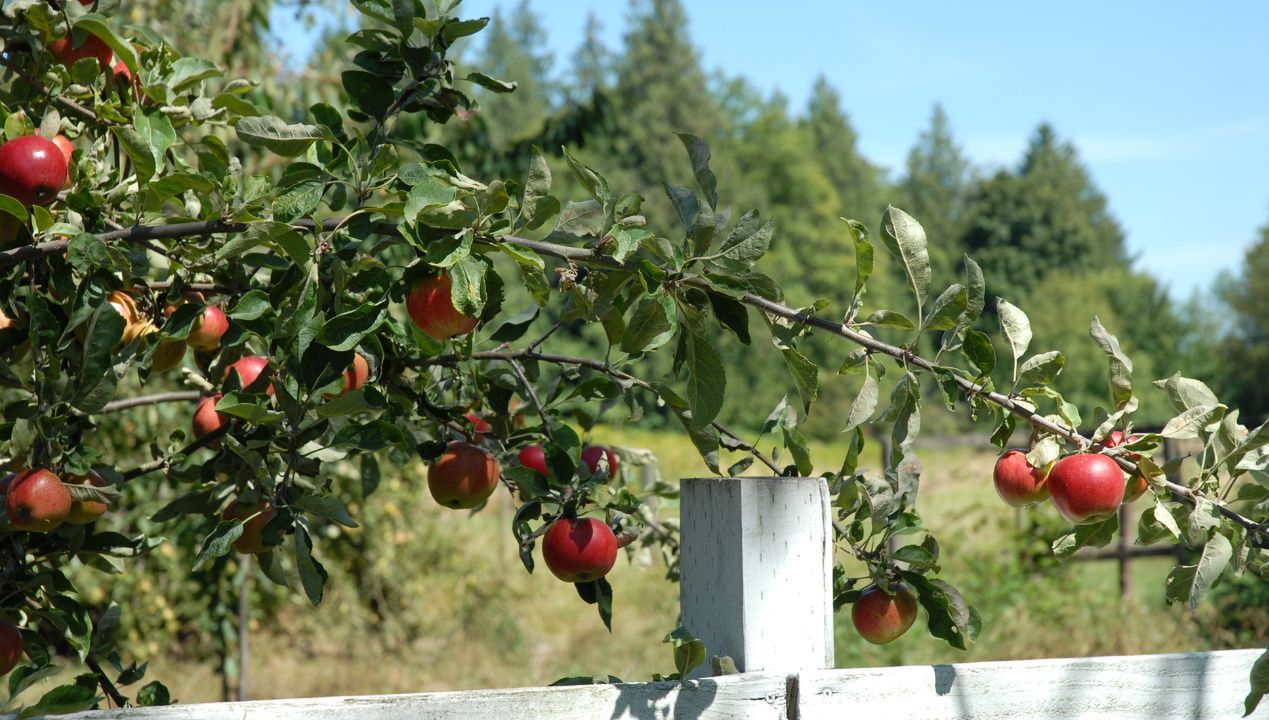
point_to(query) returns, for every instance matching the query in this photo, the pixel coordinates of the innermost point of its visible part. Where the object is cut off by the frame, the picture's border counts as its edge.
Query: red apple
(248, 369)
(479, 425)
(1137, 484)
(1086, 487)
(123, 78)
(189, 296)
(534, 458)
(32, 170)
(208, 329)
(64, 52)
(880, 618)
(251, 542)
(63, 143)
(579, 549)
(591, 455)
(1017, 482)
(354, 377)
(37, 501)
(207, 420)
(433, 311)
(10, 647)
(168, 355)
(464, 476)
(83, 512)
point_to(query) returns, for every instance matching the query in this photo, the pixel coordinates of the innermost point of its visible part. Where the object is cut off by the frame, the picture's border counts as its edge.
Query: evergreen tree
(936, 190)
(514, 51)
(857, 181)
(592, 62)
(1047, 216)
(1247, 339)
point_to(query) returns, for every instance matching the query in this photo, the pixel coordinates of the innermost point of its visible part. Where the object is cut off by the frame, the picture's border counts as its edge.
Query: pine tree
(936, 188)
(514, 51)
(1247, 340)
(1047, 216)
(857, 181)
(592, 62)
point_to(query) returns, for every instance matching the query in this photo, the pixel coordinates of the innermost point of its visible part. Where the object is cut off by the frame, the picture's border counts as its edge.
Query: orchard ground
(464, 615)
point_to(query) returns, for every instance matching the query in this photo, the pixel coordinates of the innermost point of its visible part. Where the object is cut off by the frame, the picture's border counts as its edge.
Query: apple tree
(328, 291)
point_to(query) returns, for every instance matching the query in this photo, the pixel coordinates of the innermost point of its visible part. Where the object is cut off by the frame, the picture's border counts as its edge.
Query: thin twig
(533, 397)
(155, 399)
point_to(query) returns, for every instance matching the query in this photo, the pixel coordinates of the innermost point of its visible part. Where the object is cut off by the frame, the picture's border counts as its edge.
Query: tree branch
(106, 686)
(155, 399)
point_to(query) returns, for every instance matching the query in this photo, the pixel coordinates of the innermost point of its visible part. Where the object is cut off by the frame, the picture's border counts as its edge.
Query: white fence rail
(757, 585)
(1145, 687)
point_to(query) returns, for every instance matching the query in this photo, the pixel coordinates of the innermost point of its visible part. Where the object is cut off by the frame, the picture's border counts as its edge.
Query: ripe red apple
(64, 144)
(248, 369)
(37, 501)
(123, 78)
(32, 170)
(1137, 484)
(1086, 487)
(463, 477)
(65, 52)
(83, 512)
(167, 355)
(251, 542)
(579, 549)
(591, 455)
(10, 647)
(208, 329)
(880, 618)
(534, 458)
(207, 420)
(479, 425)
(357, 374)
(189, 296)
(433, 311)
(1019, 483)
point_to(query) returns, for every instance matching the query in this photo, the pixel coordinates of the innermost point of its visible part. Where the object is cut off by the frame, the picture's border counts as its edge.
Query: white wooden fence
(757, 569)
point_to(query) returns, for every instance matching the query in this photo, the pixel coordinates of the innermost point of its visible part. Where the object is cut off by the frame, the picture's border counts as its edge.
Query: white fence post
(757, 571)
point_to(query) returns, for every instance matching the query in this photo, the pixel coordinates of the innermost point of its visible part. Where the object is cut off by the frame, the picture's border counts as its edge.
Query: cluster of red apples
(575, 549)
(1085, 487)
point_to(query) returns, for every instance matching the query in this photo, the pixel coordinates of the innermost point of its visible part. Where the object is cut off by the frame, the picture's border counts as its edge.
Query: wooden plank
(757, 571)
(1144, 687)
(736, 697)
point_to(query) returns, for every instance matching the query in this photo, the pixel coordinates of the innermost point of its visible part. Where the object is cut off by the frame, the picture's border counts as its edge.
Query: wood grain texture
(735, 697)
(757, 569)
(1142, 687)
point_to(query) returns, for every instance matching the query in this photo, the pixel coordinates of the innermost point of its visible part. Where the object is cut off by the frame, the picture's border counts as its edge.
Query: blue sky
(1168, 102)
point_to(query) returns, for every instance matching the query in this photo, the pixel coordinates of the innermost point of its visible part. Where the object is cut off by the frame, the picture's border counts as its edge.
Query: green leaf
(99, 26)
(705, 439)
(947, 308)
(1120, 365)
(977, 348)
(1189, 423)
(1216, 555)
(96, 375)
(539, 205)
(276, 135)
(1017, 330)
(403, 17)
(468, 289)
(1259, 683)
(950, 618)
(746, 243)
(491, 84)
(685, 203)
(154, 694)
(628, 240)
(594, 183)
(699, 155)
(863, 263)
(706, 379)
(62, 700)
(11, 206)
(805, 375)
(1185, 393)
(327, 506)
(1098, 534)
(977, 287)
(251, 306)
(137, 150)
(346, 330)
(188, 71)
(276, 235)
(312, 575)
(1042, 369)
(889, 318)
(648, 322)
(865, 402)
(905, 239)
(219, 542)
